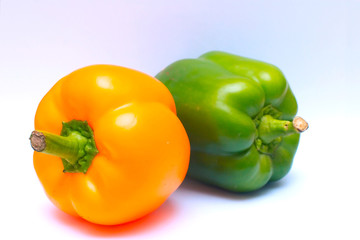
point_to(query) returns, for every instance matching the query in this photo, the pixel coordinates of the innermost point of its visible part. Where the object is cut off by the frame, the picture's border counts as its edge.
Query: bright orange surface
(143, 147)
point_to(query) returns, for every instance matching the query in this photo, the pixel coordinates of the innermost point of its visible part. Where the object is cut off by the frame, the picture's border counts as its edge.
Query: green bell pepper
(239, 115)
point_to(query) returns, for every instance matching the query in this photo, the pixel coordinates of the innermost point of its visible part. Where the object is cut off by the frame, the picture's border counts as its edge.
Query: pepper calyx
(271, 129)
(75, 146)
(81, 130)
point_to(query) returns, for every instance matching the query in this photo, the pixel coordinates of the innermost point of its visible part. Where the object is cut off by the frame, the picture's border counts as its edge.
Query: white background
(315, 43)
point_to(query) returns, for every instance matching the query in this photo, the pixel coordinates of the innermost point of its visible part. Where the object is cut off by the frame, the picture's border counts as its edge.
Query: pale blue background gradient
(315, 43)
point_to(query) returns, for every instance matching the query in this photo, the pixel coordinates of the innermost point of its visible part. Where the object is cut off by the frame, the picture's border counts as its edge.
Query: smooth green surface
(237, 113)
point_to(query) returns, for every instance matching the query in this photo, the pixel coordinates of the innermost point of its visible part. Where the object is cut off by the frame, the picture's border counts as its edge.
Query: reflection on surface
(126, 120)
(159, 217)
(104, 82)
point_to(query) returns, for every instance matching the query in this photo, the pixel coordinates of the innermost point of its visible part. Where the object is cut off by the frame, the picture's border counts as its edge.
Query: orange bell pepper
(122, 149)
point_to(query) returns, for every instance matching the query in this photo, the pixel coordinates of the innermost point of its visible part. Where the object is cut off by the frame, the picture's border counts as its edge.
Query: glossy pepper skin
(142, 149)
(237, 113)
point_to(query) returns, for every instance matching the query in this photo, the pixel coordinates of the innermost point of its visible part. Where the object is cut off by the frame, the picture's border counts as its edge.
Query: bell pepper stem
(68, 148)
(271, 128)
(300, 124)
(75, 146)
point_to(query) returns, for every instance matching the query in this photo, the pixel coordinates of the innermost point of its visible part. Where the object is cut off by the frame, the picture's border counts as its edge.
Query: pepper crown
(75, 146)
(270, 129)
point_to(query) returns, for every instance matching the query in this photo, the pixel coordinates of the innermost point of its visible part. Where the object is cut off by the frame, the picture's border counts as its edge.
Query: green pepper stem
(68, 148)
(271, 128)
(300, 124)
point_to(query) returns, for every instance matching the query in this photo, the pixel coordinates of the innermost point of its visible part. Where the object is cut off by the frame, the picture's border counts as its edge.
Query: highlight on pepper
(239, 114)
(109, 147)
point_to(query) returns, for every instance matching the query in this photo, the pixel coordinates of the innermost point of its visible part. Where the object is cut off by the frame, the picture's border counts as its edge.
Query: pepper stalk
(75, 145)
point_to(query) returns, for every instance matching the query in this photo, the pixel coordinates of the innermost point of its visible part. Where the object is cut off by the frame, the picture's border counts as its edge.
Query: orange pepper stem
(76, 146)
(67, 148)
